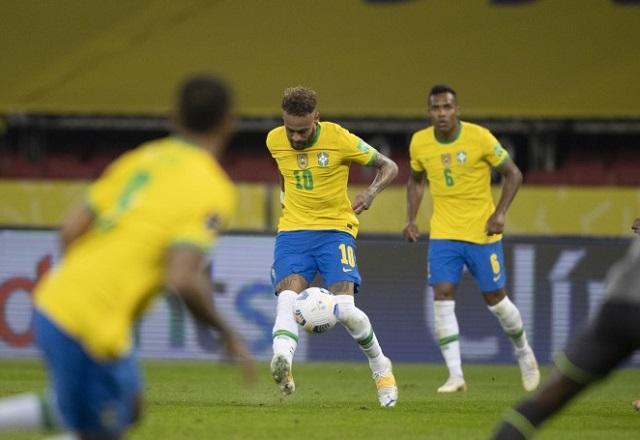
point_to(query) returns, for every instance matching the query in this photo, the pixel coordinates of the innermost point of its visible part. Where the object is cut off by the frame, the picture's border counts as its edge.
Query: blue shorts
(93, 397)
(330, 253)
(447, 259)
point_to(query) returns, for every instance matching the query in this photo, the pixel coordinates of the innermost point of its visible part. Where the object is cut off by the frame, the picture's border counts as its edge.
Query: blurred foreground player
(604, 344)
(148, 222)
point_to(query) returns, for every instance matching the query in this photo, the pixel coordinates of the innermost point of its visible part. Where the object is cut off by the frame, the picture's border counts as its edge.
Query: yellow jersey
(459, 175)
(314, 193)
(162, 194)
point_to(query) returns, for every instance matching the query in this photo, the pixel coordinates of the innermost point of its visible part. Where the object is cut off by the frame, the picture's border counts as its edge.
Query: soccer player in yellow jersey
(457, 158)
(148, 222)
(318, 227)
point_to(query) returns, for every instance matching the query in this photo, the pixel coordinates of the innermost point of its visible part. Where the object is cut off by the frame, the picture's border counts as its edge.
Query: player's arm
(387, 170)
(77, 222)
(512, 181)
(636, 226)
(185, 275)
(415, 192)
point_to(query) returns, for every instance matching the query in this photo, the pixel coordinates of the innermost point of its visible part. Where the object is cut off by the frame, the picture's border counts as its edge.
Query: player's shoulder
(276, 135)
(474, 129)
(423, 135)
(332, 127)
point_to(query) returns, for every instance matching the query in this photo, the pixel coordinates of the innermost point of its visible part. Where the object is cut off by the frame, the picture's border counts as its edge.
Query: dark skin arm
(186, 276)
(415, 193)
(387, 171)
(512, 181)
(77, 222)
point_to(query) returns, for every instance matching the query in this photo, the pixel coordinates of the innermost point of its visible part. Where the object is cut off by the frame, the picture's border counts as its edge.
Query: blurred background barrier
(537, 211)
(557, 284)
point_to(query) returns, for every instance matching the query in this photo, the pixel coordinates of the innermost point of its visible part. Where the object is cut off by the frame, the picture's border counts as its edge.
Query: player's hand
(495, 224)
(636, 226)
(240, 354)
(363, 201)
(410, 232)
(636, 405)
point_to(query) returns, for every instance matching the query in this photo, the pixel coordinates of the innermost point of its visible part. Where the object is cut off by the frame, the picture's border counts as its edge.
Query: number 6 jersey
(459, 174)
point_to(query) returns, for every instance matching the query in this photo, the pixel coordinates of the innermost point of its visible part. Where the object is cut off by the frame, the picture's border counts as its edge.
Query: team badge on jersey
(303, 160)
(446, 159)
(323, 159)
(461, 157)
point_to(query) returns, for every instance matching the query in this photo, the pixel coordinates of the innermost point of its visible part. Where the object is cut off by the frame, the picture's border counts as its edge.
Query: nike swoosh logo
(496, 278)
(344, 269)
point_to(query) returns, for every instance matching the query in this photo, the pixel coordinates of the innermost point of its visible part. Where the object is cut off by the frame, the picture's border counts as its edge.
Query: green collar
(455, 138)
(316, 135)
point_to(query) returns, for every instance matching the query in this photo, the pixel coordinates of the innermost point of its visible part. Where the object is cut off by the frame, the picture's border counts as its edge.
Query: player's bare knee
(444, 292)
(294, 282)
(493, 298)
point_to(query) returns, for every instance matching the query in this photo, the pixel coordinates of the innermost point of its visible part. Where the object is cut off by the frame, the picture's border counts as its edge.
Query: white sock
(359, 327)
(285, 329)
(511, 322)
(448, 334)
(28, 411)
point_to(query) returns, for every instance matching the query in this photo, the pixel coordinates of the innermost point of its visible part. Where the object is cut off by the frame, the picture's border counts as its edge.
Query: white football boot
(528, 368)
(281, 373)
(453, 385)
(386, 385)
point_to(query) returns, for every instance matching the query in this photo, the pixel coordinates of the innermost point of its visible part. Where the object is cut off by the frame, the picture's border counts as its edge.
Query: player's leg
(486, 263)
(336, 259)
(293, 268)
(445, 268)
(36, 411)
(595, 352)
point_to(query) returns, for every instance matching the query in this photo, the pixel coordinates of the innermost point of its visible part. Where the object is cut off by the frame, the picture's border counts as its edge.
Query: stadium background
(556, 81)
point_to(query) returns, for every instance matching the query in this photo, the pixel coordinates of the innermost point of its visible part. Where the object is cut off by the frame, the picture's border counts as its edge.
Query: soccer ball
(315, 310)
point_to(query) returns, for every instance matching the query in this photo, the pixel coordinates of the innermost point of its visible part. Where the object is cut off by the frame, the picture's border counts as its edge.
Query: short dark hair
(441, 88)
(299, 101)
(203, 102)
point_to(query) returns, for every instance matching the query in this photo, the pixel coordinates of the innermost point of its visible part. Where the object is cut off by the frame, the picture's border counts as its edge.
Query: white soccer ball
(315, 310)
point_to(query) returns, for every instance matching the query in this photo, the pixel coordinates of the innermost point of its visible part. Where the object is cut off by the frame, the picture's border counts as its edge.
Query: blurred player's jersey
(314, 194)
(164, 193)
(459, 174)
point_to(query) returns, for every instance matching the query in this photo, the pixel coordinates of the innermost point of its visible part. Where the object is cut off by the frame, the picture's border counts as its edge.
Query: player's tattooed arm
(387, 171)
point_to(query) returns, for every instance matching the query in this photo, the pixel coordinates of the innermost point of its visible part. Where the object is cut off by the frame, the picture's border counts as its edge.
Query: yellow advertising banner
(537, 210)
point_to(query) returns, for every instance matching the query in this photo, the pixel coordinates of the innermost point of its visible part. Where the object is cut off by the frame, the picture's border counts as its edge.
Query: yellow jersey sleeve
(356, 150)
(414, 162)
(493, 153)
(200, 226)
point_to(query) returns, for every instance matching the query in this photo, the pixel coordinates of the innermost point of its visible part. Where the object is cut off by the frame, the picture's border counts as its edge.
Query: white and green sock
(448, 334)
(357, 324)
(511, 322)
(285, 329)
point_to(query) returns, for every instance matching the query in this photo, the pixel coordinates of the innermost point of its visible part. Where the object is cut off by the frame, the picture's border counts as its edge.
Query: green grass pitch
(205, 400)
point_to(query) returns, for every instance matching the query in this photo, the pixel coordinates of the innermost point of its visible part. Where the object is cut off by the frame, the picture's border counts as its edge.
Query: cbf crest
(446, 159)
(461, 157)
(303, 160)
(323, 159)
